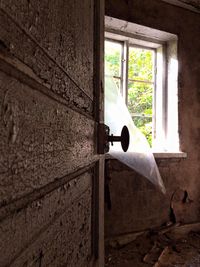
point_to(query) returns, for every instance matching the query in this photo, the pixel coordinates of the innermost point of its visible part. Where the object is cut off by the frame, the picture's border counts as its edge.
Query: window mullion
(125, 73)
(122, 71)
(165, 95)
(141, 81)
(154, 98)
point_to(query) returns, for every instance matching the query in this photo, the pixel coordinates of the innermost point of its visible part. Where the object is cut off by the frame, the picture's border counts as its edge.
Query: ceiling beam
(193, 5)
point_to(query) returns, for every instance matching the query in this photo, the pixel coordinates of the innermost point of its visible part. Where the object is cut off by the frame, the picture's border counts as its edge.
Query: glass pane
(140, 105)
(118, 83)
(113, 57)
(141, 64)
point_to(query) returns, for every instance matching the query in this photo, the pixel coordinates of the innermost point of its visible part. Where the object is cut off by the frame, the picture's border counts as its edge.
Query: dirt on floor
(175, 246)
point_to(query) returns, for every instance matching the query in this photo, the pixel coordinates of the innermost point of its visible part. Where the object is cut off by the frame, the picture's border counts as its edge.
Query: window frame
(126, 45)
(167, 108)
(121, 63)
(129, 45)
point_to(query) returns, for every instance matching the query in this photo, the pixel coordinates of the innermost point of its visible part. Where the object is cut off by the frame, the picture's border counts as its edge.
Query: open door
(51, 177)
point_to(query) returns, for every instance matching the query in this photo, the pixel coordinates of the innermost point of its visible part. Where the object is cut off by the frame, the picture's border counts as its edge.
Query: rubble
(175, 246)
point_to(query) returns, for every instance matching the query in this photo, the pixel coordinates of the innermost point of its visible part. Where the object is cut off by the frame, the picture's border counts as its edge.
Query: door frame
(99, 12)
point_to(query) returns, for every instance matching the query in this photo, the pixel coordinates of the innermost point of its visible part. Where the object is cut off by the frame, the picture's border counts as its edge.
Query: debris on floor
(174, 246)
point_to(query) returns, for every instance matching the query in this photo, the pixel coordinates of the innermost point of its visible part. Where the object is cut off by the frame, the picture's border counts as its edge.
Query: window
(143, 63)
(114, 60)
(140, 86)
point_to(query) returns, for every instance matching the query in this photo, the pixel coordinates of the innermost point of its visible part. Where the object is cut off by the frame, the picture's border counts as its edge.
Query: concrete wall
(136, 204)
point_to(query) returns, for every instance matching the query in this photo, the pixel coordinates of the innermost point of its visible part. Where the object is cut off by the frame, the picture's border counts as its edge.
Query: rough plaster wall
(188, 4)
(47, 163)
(133, 199)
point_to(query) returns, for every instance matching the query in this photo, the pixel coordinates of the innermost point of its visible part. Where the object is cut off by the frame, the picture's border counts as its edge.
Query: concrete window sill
(162, 155)
(170, 155)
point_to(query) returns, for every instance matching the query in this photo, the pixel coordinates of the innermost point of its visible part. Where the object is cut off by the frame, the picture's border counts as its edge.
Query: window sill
(170, 155)
(162, 155)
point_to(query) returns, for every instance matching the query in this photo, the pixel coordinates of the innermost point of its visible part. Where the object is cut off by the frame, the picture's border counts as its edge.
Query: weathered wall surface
(193, 5)
(47, 152)
(136, 205)
(44, 232)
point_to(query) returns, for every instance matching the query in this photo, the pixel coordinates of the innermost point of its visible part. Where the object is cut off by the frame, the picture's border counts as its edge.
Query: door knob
(105, 138)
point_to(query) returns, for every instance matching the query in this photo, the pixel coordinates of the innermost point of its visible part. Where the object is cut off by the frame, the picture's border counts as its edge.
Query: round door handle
(124, 138)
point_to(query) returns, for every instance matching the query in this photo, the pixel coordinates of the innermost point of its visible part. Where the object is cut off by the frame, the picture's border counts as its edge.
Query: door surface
(50, 187)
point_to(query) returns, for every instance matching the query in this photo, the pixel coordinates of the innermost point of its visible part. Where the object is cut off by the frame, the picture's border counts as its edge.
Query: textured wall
(51, 230)
(47, 165)
(188, 4)
(136, 205)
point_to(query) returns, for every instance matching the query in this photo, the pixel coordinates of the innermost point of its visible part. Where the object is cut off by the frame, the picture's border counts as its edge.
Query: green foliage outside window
(140, 107)
(113, 58)
(140, 94)
(140, 64)
(140, 91)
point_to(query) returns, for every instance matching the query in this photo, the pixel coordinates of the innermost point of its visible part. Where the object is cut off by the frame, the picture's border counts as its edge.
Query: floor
(172, 247)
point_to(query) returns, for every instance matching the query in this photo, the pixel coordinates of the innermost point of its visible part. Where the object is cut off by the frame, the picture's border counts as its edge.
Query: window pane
(113, 57)
(140, 105)
(117, 82)
(141, 64)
